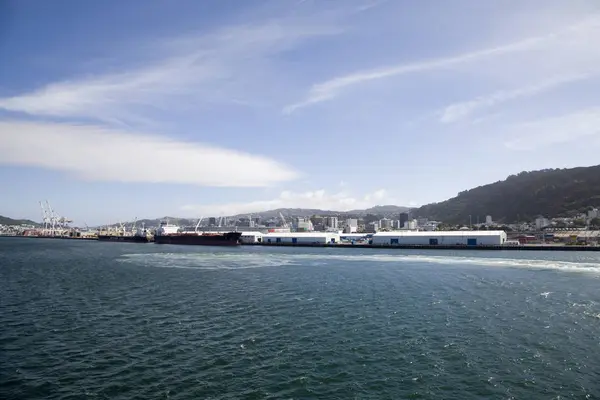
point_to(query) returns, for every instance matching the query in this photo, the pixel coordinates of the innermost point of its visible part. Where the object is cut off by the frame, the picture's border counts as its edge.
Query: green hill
(10, 221)
(523, 197)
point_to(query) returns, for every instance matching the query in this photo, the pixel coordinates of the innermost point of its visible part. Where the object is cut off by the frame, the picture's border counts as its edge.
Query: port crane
(198, 224)
(53, 223)
(283, 221)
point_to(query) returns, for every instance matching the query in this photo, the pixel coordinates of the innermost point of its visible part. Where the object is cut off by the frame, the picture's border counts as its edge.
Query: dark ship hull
(194, 239)
(120, 238)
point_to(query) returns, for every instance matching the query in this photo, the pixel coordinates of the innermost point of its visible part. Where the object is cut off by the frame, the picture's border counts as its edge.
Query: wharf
(62, 237)
(528, 247)
(51, 237)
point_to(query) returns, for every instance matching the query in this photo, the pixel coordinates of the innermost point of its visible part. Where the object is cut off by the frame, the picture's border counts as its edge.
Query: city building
(430, 226)
(411, 225)
(541, 223)
(385, 223)
(422, 221)
(372, 227)
(403, 217)
(303, 224)
(331, 222)
(488, 220)
(351, 225)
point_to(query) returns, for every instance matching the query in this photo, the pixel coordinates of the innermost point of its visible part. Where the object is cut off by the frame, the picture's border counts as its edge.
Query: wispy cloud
(319, 199)
(583, 124)
(94, 153)
(567, 38)
(227, 66)
(458, 111)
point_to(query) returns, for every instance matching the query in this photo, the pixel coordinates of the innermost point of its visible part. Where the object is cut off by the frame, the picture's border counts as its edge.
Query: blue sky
(112, 109)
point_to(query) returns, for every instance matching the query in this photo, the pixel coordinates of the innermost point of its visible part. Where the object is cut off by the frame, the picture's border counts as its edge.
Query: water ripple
(92, 320)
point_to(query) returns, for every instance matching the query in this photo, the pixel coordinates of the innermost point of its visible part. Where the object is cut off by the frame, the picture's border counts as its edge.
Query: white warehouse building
(301, 237)
(440, 238)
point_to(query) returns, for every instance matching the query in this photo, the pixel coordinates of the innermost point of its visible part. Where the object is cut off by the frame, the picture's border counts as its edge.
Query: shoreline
(527, 247)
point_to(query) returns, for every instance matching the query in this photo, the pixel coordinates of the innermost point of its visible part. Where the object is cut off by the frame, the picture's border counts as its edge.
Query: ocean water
(88, 320)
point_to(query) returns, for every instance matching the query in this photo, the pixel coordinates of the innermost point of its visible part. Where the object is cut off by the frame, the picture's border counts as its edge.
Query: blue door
(433, 242)
(394, 241)
(471, 242)
(294, 240)
(278, 240)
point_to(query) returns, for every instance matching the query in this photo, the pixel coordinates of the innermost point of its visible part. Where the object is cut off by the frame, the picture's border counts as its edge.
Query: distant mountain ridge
(384, 210)
(10, 221)
(293, 212)
(522, 197)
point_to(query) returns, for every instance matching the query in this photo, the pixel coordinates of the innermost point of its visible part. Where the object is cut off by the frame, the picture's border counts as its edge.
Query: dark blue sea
(90, 320)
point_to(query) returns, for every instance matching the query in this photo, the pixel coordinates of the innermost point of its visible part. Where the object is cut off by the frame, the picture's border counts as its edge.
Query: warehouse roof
(440, 233)
(301, 234)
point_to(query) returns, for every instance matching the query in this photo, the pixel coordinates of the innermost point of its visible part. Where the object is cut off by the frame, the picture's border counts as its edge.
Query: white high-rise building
(385, 223)
(541, 222)
(488, 220)
(331, 222)
(351, 225)
(411, 224)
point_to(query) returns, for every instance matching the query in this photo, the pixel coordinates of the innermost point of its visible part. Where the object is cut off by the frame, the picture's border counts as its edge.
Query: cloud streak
(585, 30)
(583, 124)
(100, 154)
(458, 111)
(318, 199)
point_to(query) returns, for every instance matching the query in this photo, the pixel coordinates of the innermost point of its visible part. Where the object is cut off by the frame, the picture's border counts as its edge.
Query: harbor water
(94, 320)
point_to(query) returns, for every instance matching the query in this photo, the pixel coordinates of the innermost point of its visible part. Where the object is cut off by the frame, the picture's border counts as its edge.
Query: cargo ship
(124, 238)
(133, 235)
(170, 234)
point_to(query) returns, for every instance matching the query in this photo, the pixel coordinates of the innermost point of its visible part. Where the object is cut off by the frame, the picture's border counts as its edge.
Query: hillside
(10, 221)
(289, 212)
(522, 197)
(380, 211)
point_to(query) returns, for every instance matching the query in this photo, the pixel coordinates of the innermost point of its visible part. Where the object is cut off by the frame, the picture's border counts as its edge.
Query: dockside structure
(440, 238)
(301, 238)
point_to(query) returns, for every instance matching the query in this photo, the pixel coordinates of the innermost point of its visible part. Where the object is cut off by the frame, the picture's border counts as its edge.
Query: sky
(114, 110)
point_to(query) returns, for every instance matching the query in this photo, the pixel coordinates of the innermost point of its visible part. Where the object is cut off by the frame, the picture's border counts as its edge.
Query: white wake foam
(223, 260)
